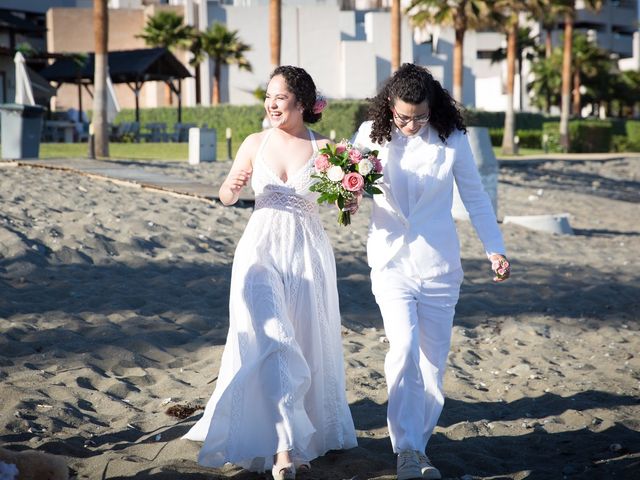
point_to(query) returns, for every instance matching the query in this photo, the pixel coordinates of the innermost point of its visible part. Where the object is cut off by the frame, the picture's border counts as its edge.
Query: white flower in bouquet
(335, 173)
(365, 166)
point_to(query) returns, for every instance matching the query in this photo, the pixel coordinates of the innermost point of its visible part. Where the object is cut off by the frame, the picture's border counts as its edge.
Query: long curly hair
(300, 83)
(414, 84)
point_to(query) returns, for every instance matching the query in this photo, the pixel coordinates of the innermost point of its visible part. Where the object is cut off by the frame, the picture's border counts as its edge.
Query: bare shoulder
(253, 140)
(250, 145)
(247, 151)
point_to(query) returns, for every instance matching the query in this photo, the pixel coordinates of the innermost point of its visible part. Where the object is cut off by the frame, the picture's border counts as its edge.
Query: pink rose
(341, 147)
(355, 155)
(353, 182)
(322, 163)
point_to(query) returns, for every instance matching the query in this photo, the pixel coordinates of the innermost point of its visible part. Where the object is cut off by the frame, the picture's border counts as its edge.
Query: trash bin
(21, 129)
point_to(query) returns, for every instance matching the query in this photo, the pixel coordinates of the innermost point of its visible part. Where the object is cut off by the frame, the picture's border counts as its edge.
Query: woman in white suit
(413, 248)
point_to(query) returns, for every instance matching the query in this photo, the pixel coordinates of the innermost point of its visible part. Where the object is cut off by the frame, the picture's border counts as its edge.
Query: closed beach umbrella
(24, 92)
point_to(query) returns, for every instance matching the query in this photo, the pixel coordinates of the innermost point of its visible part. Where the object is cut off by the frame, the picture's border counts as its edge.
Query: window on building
(484, 54)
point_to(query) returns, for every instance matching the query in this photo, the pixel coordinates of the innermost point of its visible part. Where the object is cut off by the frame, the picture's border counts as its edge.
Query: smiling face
(281, 105)
(409, 117)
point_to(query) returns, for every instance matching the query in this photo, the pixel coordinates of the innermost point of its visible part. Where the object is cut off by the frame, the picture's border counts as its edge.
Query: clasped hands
(351, 205)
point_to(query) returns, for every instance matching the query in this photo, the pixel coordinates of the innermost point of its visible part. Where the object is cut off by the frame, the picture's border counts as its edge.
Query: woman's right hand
(234, 183)
(238, 179)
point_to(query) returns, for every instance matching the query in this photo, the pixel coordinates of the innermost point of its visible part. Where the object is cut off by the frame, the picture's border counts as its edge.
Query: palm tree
(167, 29)
(628, 91)
(99, 117)
(546, 12)
(508, 147)
(568, 9)
(510, 11)
(275, 31)
(461, 15)
(395, 35)
(547, 80)
(591, 67)
(525, 45)
(197, 57)
(224, 48)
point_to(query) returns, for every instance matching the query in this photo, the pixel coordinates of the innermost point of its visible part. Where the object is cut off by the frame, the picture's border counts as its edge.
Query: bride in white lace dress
(279, 401)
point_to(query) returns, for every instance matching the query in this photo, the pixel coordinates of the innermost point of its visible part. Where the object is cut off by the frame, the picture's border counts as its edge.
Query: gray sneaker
(408, 465)
(428, 470)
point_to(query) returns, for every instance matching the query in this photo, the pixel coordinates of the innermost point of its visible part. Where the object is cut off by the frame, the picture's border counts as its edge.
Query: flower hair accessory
(320, 105)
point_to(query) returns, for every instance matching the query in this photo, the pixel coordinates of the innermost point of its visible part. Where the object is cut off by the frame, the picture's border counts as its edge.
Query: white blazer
(427, 230)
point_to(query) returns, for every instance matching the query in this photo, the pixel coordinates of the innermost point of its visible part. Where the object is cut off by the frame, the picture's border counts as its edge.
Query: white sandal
(284, 472)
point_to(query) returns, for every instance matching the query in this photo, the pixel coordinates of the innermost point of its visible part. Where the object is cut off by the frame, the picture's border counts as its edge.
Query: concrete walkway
(117, 171)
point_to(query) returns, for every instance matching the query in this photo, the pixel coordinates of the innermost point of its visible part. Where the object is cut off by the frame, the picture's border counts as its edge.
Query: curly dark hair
(414, 84)
(300, 83)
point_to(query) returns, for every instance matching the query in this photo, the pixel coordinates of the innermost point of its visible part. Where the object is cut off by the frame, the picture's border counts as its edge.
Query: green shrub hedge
(633, 135)
(524, 120)
(629, 140)
(619, 125)
(342, 116)
(527, 138)
(586, 136)
(551, 130)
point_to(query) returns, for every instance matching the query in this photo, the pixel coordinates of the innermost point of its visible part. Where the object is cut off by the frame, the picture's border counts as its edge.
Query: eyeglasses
(403, 120)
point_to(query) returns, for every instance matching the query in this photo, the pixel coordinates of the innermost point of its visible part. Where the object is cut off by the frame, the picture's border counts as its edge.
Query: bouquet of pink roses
(501, 269)
(344, 173)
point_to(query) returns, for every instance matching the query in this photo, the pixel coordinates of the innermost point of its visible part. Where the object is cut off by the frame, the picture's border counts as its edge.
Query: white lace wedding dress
(281, 382)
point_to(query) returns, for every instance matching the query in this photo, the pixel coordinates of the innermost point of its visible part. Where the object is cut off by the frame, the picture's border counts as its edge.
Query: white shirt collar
(420, 133)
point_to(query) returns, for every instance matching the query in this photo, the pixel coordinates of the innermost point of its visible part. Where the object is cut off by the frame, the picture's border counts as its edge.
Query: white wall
(357, 57)
(348, 53)
(312, 37)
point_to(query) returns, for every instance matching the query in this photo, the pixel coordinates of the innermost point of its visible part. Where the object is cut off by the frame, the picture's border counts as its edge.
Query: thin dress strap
(263, 143)
(312, 137)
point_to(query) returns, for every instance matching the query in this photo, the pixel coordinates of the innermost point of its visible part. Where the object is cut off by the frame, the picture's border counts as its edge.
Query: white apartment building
(348, 51)
(345, 45)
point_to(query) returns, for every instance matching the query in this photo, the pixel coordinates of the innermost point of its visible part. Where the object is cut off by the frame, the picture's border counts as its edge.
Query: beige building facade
(70, 30)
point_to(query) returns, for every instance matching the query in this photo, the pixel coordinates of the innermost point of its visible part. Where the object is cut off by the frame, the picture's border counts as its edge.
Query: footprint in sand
(84, 382)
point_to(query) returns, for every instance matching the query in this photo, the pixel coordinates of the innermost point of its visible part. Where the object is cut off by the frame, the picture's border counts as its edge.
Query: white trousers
(418, 319)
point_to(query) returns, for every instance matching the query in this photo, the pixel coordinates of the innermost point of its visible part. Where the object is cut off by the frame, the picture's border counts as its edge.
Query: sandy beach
(113, 308)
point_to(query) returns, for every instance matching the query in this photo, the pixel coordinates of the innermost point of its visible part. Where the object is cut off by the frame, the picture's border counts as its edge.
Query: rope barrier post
(228, 135)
